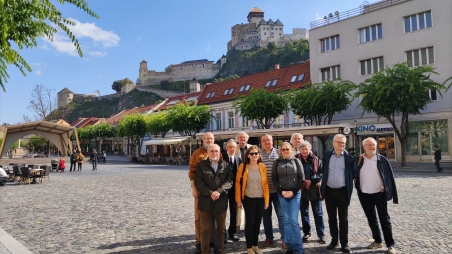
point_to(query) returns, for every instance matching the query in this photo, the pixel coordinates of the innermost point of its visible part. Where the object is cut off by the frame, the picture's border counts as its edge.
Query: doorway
(385, 145)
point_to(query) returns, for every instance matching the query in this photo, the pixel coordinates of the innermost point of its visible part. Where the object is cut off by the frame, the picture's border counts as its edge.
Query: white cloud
(38, 73)
(97, 53)
(93, 39)
(208, 47)
(318, 16)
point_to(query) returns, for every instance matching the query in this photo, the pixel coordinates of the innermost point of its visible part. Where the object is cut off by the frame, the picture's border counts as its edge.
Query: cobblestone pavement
(130, 208)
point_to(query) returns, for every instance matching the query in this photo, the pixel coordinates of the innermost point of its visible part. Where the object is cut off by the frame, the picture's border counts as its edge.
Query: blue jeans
(268, 227)
(437, 166)
(290, 208)
(316, 207)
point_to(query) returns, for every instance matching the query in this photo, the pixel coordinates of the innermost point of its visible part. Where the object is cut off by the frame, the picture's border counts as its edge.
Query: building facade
(355, 44)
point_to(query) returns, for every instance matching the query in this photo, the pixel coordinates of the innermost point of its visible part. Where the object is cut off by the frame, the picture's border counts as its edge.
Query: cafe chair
(26, 175)
(16, 171)
(46, 174)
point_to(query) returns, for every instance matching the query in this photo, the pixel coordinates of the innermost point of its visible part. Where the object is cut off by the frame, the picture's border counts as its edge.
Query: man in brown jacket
(199, 155)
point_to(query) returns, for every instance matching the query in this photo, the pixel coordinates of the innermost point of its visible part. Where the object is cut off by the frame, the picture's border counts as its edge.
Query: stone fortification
(199, 69)
(159, 92)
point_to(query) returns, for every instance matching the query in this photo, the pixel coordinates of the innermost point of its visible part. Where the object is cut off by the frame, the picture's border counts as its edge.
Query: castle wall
(159, 92)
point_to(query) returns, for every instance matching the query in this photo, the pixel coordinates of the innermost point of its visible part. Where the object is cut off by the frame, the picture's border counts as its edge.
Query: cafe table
(35, 172)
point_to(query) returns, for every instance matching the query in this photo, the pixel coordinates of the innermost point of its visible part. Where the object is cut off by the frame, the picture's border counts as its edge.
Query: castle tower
(255, 16)
(65, 97)
(143, 69)
(222, 61)
(194, 86)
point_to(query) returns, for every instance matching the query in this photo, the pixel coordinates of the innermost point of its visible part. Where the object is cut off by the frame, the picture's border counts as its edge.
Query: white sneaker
(391, 250)
(375, 245)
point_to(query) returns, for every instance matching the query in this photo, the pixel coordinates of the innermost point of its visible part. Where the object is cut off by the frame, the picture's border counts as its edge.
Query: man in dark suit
(233, 160)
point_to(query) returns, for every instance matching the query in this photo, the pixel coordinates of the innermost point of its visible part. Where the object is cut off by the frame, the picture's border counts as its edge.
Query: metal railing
(361, 10)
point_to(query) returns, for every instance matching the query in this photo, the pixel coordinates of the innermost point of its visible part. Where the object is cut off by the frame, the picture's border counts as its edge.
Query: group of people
(78, 158)
(287, 180)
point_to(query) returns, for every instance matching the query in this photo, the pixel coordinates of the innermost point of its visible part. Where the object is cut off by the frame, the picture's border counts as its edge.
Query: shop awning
(166, 141)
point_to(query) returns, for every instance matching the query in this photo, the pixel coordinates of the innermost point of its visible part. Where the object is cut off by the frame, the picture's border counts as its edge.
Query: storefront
(383, 134)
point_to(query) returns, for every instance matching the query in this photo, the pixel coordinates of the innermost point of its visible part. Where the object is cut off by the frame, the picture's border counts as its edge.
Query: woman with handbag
(251, 192)
(288, 176)
(311, 192)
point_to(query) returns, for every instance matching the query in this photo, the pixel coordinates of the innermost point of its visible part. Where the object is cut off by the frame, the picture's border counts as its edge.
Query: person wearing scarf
(313, 181)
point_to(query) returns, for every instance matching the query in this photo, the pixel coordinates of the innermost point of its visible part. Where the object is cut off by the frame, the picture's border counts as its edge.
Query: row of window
(245, 123)
(270, 28)
(417, 57)
(413, 22)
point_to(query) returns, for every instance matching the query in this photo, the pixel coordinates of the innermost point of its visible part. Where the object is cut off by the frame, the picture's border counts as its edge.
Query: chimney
(276, 66)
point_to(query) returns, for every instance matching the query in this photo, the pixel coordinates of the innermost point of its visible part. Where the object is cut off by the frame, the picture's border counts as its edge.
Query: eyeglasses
(284, 149)
(253, 154)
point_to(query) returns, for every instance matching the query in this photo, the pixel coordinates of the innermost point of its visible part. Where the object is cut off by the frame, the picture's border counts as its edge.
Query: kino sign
(374, 128)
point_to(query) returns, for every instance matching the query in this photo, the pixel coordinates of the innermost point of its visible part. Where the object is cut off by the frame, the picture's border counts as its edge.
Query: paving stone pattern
(130, 208)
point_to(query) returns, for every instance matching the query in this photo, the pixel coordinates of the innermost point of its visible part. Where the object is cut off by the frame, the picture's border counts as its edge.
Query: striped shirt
(268, 159)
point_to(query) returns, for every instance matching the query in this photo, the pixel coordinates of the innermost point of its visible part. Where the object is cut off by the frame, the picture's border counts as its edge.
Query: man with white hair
(295, 140)
(213, 179)
(376, 186)
(199, 155)
(242, 137)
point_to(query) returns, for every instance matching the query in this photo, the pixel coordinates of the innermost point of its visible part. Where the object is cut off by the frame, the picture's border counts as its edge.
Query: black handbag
(310, 194)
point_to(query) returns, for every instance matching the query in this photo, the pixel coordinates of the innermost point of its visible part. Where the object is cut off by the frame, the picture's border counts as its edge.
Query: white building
(353, 45)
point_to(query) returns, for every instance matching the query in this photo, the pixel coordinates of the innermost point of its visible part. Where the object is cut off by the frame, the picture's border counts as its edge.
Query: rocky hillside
(103, 108)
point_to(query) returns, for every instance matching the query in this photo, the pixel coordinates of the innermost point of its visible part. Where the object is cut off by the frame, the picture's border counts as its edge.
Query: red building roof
(82, 121)
(116, 118)
(180, 99)
(295, 76)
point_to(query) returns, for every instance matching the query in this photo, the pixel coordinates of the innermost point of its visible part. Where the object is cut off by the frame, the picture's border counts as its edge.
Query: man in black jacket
(234, 161)
(376, 186)
(213, 179)
(437, 154)
(73, 160)
(339, 171)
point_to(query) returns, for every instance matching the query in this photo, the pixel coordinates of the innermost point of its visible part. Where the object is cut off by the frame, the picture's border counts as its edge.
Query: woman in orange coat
(252, 193)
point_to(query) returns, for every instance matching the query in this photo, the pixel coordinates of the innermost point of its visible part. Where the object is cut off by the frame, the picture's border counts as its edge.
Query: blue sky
(161, 32)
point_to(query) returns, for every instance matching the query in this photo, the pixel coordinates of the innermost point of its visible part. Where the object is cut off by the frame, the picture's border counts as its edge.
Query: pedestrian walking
(73, 160)
(104, 157)
(94, 157)
(437, 154)
(375, 185)
(339, 172)
(80, 159)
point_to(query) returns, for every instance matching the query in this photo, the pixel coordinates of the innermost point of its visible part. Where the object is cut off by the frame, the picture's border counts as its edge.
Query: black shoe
(345, 249)
(322, 240)
(198, 249)
(306, 237)
(233, 238)
(332, 245)
(212, 245)
(289, 252)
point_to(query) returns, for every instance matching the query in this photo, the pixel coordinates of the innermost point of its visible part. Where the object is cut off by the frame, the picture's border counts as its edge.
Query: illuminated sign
(374, 128)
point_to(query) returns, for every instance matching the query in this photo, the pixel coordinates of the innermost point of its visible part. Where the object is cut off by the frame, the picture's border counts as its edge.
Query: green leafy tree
(261, 106)
(16, 144)
(158, 124)
(133, 127)
(164, 84)
(118, 84)
(399, 91)
(38, 143)
(169, 68)
(318, 103)
(233, 76)
(22, 21)
(189, 119)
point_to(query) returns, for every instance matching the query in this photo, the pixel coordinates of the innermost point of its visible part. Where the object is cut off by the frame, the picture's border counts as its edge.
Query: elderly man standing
(199, 155)
(376, 186)
(242, 137)
(234, 161)
(270, 155)
(213, 179)
(295, 140)
(339, 171)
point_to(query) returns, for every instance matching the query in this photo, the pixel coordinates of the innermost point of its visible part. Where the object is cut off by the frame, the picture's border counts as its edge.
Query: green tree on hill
(118, 84)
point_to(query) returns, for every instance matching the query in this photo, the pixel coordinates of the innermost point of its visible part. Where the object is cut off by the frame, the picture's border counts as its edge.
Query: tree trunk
(403, 145)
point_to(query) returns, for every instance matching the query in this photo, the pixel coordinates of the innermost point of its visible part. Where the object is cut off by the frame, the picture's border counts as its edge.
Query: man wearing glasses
(339, 171)
(270, 155)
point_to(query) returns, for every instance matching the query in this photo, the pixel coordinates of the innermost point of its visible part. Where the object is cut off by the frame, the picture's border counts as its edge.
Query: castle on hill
(259, 32)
